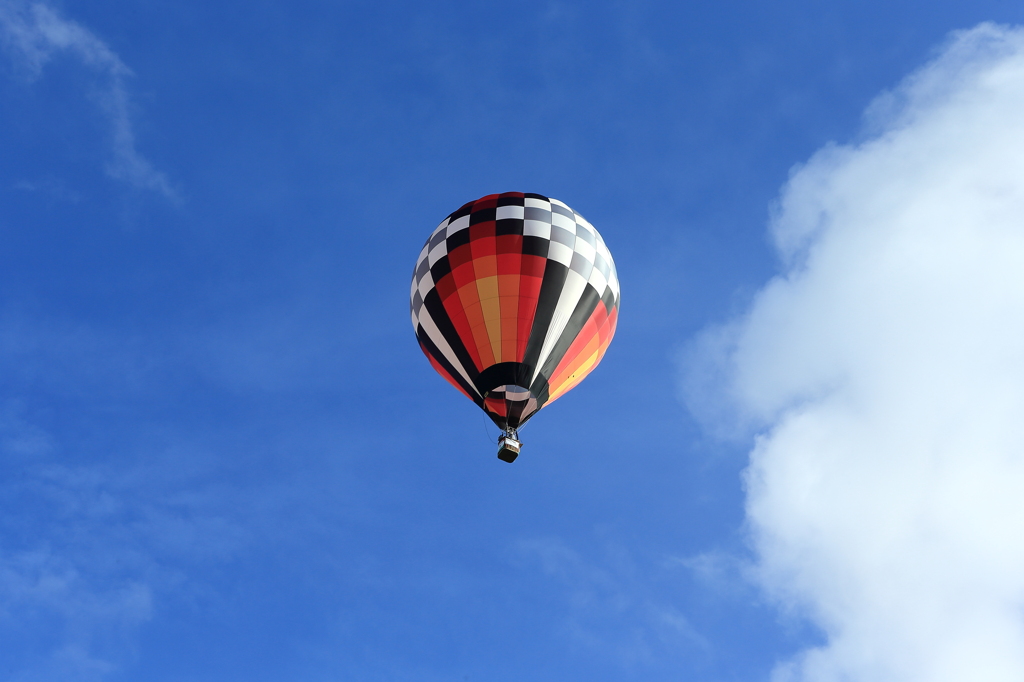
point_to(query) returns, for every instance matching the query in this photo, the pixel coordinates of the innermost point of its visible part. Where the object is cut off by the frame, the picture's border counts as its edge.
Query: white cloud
(34, 33)
(885, 369)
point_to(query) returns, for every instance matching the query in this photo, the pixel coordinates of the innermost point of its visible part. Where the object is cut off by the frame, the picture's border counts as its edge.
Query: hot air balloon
(514, 301)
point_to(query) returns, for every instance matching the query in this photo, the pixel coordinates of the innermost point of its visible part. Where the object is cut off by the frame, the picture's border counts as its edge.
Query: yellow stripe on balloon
(491, 308)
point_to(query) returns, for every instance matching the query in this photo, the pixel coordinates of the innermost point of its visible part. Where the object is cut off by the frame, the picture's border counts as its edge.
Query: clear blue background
(222, 455)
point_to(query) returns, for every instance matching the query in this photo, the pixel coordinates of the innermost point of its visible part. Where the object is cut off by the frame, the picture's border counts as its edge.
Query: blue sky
(223, 455)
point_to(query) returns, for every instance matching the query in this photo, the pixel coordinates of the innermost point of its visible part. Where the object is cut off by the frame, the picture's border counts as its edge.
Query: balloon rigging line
(486, 430)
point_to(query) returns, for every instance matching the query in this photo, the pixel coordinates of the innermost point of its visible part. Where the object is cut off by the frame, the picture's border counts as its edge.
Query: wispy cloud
(611, 608)
(51, 187)
(33, 33)
(41, 589)
(101, 535)
(886, 369)
(86, 551)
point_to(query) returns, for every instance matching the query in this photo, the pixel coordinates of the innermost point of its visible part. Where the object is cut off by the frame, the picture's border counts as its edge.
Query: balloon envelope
(514, 301)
